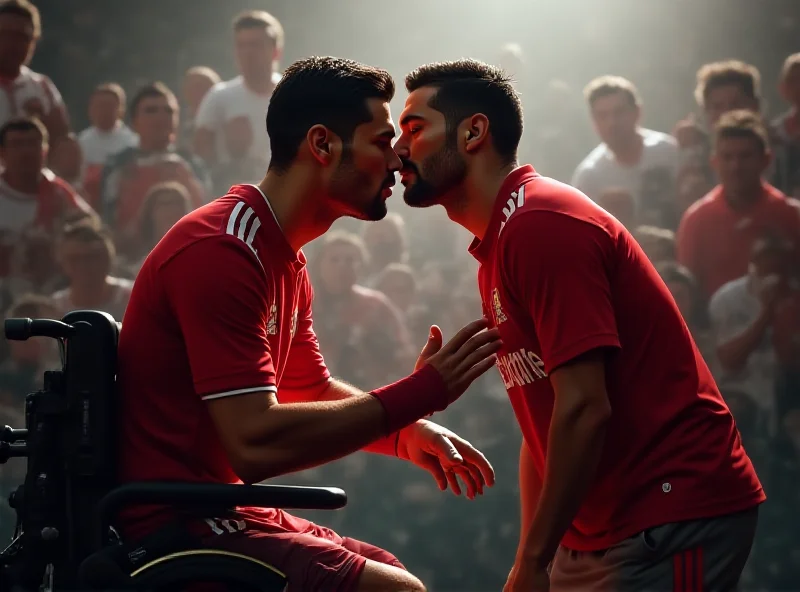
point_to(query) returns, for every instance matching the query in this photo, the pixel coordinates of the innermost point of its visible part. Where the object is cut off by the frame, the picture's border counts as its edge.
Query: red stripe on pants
(699, 569)
(677, 573)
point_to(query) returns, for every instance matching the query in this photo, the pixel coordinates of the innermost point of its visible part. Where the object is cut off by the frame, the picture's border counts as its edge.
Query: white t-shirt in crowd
(232, 99)
(97, 145)
(118, 299)
(28, 86)
(650, 180)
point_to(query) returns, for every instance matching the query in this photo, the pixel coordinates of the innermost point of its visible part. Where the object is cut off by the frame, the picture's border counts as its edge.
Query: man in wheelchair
(220, 382)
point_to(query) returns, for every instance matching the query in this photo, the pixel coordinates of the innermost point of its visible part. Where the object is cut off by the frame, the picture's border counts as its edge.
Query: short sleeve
(305, 366)
(218, 293)
(558, 270)
(208, 114)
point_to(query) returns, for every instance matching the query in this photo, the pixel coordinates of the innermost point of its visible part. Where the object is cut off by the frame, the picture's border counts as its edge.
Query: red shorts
(312, 557)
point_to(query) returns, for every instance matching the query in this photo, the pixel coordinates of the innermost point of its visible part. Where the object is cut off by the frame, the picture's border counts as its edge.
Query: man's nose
(401, 146)
(395, 164)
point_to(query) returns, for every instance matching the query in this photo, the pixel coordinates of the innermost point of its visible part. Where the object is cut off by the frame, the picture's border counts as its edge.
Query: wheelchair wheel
(231, 571)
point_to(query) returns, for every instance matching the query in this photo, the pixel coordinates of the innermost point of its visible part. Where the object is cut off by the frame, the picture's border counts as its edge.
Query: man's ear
(474, 131)
(323, 144)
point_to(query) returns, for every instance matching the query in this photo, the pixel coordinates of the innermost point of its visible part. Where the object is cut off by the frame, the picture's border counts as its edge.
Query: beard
(348, 184)
(436, 175)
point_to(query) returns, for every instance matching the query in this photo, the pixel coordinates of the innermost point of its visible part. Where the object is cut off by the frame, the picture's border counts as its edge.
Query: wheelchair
(66, 507)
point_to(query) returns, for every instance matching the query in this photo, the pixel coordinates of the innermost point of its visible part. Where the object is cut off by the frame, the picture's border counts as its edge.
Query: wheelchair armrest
(223, 495)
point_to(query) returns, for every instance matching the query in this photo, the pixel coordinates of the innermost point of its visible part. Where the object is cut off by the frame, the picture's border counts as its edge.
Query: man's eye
(414, 130)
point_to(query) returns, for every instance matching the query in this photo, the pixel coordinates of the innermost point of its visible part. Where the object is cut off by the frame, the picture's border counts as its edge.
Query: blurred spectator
(716, 234)
(25, 92)
(398, 283)
(129, 175)
(727, 86)
(619, 203)
(694, 182)
(356, 323)
(106, 136)
(87, 256)
(30, 195)
(683, 288)
(196, 83)
(230, 134)
(641, 161)
(386, 242)
(721, 87)
(65, 159)
(164, 205)
(657, 243)
(742, 314)
(787, 129)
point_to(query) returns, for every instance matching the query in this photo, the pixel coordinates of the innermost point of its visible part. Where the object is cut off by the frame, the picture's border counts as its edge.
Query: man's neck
(155, 146)
(744, 198)
(24, 183)
(298, 205)
(88, 296)
(260, 83)
(472, 204)
(628, 152)
(109, 129)
(11, 74)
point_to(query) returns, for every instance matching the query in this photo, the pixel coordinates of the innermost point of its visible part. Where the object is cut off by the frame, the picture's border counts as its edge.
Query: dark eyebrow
(409, 118)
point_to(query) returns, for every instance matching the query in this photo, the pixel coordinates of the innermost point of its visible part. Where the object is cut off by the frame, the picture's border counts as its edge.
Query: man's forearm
(530, 489)
(575, 445)
(337, 390)
(733, 354)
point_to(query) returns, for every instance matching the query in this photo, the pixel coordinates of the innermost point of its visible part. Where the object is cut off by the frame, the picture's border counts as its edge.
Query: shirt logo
(272, 321)
(499, 315)
(294, 322)
(517, 200)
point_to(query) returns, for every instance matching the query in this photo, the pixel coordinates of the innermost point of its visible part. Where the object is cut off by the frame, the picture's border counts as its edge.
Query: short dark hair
(611, 85)
(26, 10)
(728, 73)
(321, 90)
(260, 19)
(466, 87)
(153, 89)
(742, 123)
(23, 124)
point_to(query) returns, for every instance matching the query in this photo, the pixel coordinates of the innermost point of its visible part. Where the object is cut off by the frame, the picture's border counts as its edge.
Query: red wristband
(414, 397)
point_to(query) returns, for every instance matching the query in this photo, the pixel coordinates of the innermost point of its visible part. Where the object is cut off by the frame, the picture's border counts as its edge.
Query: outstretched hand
(447, 457)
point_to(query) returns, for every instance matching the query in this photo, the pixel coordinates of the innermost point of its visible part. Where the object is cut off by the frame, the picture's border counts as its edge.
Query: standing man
(221, 378)
(632, 472)
(229, 124)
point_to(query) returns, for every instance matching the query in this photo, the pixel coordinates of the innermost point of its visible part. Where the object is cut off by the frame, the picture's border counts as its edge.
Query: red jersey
(559, 277)
(221, 307)
(715, 241)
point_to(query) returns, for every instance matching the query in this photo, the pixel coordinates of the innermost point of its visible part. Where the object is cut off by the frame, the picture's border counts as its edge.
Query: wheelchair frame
(69, 499)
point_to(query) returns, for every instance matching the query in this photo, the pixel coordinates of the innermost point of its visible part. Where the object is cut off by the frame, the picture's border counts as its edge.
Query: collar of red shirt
(768, 193)
(480, 248)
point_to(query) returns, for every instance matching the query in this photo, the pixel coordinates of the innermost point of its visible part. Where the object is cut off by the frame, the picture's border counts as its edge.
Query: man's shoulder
(730, 293)
(227, 88)
(704, 206)
(659, 140)
(593, 160)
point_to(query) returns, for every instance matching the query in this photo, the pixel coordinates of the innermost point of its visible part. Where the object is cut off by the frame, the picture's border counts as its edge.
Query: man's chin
(415, 200)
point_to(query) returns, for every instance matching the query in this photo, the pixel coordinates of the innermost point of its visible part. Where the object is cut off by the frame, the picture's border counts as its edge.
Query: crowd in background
(709, 201)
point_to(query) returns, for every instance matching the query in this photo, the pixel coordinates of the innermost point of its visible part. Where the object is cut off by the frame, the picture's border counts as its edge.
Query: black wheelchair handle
(12, 451)
(21, 329)
(10, 435)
